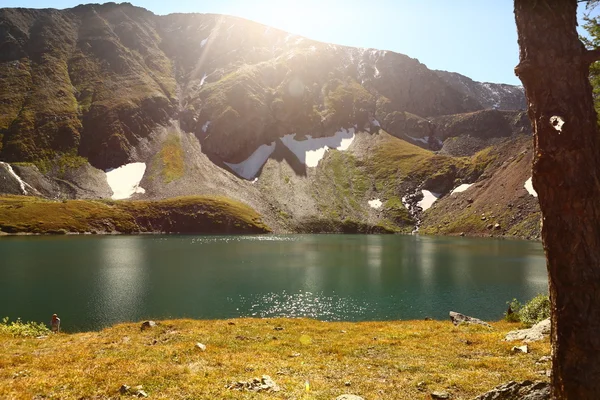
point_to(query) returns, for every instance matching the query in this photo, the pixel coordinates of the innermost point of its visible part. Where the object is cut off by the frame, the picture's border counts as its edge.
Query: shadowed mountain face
(497, 96)
(94, 79)
(196, 96)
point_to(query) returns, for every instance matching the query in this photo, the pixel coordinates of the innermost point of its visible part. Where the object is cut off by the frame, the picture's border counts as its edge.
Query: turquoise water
(93, 281)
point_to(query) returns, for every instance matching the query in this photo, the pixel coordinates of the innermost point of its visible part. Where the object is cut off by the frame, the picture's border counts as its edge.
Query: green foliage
(538, 309)
(514, 306)
(22, 329)
(592, 26)
(69, 161)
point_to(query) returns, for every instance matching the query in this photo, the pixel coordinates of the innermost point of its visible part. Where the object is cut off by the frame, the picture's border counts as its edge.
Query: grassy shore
(191, 214)
(376, 360)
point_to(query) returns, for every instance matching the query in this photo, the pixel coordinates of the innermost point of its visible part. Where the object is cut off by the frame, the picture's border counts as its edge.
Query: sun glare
(311, 18)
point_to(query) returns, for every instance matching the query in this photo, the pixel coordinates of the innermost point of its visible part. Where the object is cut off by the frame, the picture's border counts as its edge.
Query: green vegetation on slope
(341, 183)
(376, 360)
(396, 160)
(90, 81)
(194, 214)
(397, 166)
(342, 187)
(170, 158)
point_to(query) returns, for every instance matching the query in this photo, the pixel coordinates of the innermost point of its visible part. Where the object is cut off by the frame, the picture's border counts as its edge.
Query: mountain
(498, 96)
(102, 101)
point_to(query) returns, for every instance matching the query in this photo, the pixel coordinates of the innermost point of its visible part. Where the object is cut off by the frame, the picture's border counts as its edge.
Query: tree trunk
(554, 68)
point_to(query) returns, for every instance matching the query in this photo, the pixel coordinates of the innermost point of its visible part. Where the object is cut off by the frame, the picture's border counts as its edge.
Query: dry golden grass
(376, 360)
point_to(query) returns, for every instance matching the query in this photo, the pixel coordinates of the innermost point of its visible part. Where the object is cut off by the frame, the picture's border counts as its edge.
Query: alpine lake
(95, 281)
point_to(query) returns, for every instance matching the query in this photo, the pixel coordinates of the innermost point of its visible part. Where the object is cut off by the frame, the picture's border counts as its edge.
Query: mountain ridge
(219, 105)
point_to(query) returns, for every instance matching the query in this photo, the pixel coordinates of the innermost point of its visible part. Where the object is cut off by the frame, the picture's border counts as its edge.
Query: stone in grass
(136, 391)
(440, 395)
(520, 349)
(349, 397)
(148, 325)
(512, 390)
(537, 332)
(458, 319)
(201, 346)
(265, 384)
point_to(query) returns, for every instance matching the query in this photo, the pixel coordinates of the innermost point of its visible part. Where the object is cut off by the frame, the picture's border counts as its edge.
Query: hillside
(19, 214)
(112, 101)
(496, 96)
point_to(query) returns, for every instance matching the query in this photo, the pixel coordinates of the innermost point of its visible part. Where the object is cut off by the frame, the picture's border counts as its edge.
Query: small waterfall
(22, 183)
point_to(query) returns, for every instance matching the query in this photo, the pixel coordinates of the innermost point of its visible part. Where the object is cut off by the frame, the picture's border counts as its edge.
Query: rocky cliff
(498, 96)
(111, 100)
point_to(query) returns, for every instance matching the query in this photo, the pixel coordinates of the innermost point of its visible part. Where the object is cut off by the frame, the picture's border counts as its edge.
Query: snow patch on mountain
(248, 169)
(375, 203)
(461, 188)
(424, 139)
(125, 180)
(428, 199)
(312, 150)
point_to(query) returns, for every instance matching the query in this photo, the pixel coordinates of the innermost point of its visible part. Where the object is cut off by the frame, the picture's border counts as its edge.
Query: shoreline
(157, 233)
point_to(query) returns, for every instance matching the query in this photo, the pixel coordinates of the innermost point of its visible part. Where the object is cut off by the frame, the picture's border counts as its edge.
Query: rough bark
(554, 67)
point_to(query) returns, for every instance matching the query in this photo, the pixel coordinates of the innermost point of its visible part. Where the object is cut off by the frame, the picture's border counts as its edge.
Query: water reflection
(374, 257)
(120, 278)
(427, 260)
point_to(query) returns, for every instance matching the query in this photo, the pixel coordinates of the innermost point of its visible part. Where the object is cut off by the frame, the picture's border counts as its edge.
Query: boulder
(440, 395)
(148, 325)
(458, 319)
(349, 397)
(526, 390)
(535, 333)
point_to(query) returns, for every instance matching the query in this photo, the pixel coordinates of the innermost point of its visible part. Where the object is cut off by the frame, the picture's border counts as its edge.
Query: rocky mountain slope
(111, 100)
(496, 96)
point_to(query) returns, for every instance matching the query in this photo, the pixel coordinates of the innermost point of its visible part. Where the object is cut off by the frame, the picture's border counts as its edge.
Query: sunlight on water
(232, 239)
(301, 304)
(120, 279)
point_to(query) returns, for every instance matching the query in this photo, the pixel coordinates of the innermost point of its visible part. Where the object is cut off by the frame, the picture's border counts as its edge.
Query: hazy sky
(476, 38)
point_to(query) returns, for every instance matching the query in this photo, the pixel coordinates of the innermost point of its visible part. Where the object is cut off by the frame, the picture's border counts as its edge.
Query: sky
(476, 38)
